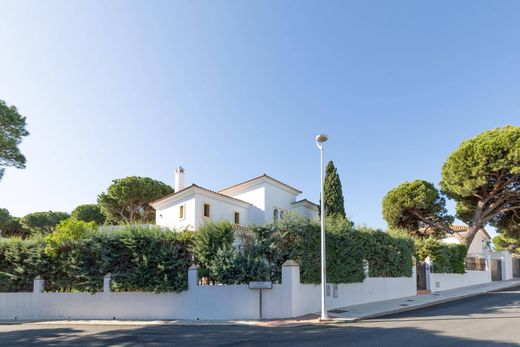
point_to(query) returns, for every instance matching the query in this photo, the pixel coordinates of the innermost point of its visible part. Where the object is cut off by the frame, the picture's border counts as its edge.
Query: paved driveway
(489, 319)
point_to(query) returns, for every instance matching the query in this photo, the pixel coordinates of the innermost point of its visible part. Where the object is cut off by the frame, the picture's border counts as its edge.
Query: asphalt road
(488, 320)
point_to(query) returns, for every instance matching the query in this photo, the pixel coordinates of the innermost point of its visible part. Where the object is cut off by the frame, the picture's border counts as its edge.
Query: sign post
(260, 286)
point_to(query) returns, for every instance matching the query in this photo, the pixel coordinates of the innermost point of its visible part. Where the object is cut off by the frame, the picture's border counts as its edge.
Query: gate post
(427, 273)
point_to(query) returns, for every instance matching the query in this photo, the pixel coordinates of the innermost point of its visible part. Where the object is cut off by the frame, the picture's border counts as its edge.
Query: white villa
(259, 200)
(478, 246)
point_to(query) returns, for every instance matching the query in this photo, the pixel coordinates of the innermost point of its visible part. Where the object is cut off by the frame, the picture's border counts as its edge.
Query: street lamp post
(320, 139)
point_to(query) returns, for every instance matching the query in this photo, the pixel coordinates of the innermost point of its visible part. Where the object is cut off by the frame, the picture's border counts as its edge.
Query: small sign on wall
(261, 285)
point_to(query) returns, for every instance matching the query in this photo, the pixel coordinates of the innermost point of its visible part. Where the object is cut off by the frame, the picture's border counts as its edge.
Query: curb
(418, 306)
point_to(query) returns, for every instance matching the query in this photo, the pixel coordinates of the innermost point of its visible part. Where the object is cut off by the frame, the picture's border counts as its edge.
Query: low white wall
(289, 299)
(440, 281)
(370, 290)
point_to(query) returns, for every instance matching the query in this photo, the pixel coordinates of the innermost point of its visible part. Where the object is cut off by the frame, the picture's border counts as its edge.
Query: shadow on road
(309, 335)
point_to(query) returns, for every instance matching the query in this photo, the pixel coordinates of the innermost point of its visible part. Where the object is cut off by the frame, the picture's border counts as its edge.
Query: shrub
(147, 259)
(20, 262)
(208, 240)
(446, 258)
(139, 259)
(66, 231)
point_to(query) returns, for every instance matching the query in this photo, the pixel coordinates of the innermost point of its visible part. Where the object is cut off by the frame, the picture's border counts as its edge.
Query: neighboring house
(260, 200)
(479, 243)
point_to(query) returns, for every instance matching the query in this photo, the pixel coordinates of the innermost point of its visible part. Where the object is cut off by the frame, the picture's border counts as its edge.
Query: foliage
(387, 255)
(20, 262)
(505, 242)
(43, 222)
(127, 199)
(68, 230)
(12, 130)
(11, 226)
(296, 238)
(414, 204)
(446, 258)
(334, 202)
(234, 266)
(209, 239)
(89, 213)
(139, 259)
(483, 177)
(148, 259)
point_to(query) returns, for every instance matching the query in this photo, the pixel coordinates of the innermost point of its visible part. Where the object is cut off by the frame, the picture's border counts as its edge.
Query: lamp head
(321, 138)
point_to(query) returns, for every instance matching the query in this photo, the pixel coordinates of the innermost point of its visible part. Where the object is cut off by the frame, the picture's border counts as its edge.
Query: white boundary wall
(440, 281)
(289, 299)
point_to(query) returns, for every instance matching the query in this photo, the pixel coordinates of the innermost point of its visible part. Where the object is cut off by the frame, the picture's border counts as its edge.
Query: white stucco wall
(476, 246)
(307, 212)
(276, 198)
(289, 299)
(254, 195)
(170, 214)
(219, 211)
(441, 281)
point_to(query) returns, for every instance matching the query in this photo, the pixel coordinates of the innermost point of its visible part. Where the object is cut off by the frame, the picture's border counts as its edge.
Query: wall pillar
(291, 283)
(38, 285)
(429, 265)
(193, 276)
(366, 269)
(106, 283)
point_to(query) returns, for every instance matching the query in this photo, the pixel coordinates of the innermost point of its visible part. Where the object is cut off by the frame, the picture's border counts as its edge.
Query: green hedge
(298, 239)
(77, 256)
(139, 259)
(446, 258)
(20, 262)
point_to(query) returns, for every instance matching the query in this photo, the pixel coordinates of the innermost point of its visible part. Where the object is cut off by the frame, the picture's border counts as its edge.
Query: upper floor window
(275, 214)
(206, 210)
(237, 218)
(182, 212)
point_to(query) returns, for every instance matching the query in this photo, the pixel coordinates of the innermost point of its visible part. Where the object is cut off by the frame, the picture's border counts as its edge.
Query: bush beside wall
(446, 258)
(140, 258)
(21, 260)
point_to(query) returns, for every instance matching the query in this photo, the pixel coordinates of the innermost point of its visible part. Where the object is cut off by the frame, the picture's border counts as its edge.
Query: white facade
(478, 246)
(257, 201)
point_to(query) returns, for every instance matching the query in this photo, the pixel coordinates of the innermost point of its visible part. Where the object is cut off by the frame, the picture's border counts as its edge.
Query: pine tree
(334, 203)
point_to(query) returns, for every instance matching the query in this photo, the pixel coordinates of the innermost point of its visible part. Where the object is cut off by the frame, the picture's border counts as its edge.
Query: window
(181, 212)
(275, 214)
(281, 214)
(237, 218)
(206, 210)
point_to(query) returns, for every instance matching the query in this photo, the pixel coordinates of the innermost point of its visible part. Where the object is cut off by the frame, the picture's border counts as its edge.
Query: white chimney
(179, 179)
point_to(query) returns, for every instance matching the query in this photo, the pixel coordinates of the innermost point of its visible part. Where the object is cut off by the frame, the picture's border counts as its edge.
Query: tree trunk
(470, 235)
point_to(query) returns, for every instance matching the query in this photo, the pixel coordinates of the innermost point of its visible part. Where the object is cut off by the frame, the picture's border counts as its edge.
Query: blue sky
(234, 89)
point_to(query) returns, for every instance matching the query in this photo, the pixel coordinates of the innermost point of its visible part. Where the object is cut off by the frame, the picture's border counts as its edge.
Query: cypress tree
(334, 203)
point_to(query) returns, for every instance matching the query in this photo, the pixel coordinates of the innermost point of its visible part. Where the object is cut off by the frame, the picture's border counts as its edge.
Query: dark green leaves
(413, 204)
(12, 130)
(127, 199)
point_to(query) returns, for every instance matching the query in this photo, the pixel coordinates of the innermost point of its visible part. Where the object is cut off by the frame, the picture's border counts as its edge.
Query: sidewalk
(383, 308)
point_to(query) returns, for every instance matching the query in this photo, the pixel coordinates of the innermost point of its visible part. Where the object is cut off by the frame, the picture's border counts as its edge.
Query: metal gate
(421, 275)
(516, 267)
(496, 270)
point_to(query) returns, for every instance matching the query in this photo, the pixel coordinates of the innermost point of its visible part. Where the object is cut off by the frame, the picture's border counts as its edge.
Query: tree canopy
(127, 199)
(89, 213)
(43, 222)
(418, 207)
(482, 176)
(334, 202)
(12, 130)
